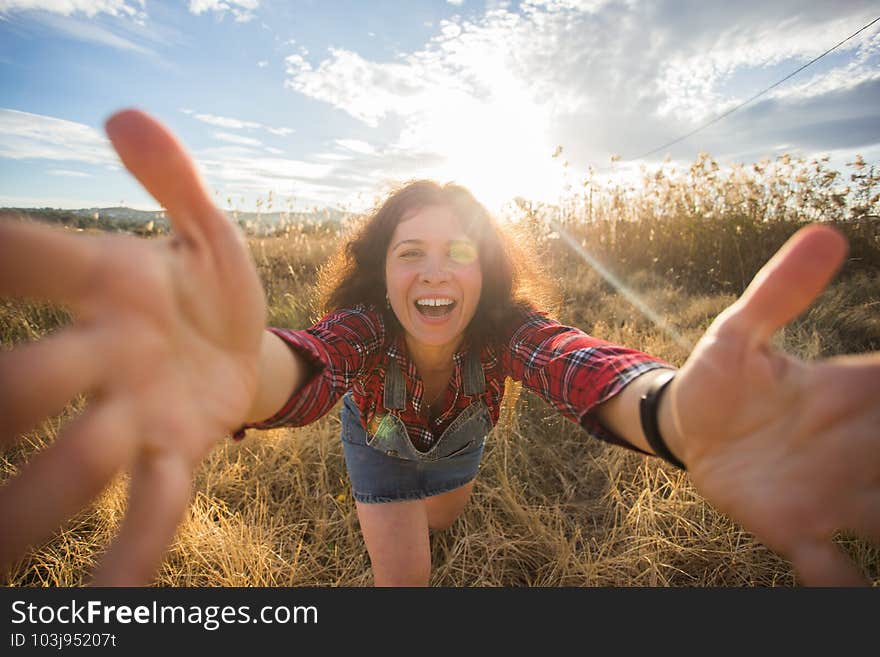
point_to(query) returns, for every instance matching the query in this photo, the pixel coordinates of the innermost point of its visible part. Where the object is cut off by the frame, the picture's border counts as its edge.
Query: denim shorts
(378, 474)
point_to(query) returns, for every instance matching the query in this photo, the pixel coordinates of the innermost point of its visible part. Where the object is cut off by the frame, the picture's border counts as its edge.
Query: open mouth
(439, 307)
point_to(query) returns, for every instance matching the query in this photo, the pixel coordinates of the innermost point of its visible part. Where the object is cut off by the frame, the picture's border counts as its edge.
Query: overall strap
(395, 386)
(474, 379)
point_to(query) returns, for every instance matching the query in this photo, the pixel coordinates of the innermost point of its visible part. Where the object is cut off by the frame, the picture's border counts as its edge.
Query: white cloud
(457, 3)
(78, 19)
(490, 98)
(462, 107)
(861, 68)
(333, 157)
(237, 139)
(333, 179)
(70, 173)
(235, 124)
(234, 169)
(241, 10)
(68, 7)
(262, 64)
(223, 121)
(33, 136)
(366, 90)
(357, 146)
(90, 32)
(693, 78)
(232, 164)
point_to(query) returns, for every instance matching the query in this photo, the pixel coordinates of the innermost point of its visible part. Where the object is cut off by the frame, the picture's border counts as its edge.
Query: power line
(757, 95)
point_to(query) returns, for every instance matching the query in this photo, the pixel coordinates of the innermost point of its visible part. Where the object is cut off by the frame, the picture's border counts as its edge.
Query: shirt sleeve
(340, 348)
(572, 371)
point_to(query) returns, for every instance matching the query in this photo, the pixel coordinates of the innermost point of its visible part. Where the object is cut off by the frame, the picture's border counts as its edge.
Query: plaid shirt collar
(397, 350)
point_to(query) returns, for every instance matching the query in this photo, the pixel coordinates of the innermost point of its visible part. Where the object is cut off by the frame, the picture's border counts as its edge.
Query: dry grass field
(551, 506)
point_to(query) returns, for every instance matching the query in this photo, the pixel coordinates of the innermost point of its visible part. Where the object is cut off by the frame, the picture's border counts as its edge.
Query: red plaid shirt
(350, 350)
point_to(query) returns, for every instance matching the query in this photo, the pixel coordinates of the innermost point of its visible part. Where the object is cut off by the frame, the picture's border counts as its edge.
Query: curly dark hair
(513, 283)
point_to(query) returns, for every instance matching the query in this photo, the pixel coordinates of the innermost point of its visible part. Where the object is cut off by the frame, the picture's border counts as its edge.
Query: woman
(789, 449)
(428, 318)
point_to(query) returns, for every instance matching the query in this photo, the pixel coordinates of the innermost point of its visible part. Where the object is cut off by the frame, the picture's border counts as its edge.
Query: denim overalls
(385, 466)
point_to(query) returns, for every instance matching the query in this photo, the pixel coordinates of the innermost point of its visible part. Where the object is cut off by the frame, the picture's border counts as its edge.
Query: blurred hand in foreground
(164, 343)
(789, 449)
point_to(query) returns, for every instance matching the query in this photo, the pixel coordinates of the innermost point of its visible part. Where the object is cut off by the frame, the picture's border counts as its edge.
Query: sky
(329, 103)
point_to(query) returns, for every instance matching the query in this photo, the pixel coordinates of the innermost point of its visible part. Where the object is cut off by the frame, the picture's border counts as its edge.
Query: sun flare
(498, 147)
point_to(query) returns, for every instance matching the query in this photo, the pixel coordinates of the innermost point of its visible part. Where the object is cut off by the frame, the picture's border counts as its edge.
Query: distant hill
(155, 221)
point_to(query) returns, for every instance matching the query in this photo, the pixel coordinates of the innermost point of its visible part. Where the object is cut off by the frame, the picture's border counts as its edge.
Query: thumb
(789, 282)
(822, 563)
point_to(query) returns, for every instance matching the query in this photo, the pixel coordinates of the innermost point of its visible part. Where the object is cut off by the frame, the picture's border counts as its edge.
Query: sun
(502, 154)
(499, 148)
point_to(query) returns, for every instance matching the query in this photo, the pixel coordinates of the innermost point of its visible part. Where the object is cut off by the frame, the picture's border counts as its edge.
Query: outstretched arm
(281, 372)
(621, 413)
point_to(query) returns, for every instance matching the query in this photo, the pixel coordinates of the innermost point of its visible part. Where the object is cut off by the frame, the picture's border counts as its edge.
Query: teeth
(434, 302)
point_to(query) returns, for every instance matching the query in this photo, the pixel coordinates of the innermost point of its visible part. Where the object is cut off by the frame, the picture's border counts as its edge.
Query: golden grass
(551, 506)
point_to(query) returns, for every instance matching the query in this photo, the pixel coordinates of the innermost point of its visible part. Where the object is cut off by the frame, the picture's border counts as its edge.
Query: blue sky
(329, 103)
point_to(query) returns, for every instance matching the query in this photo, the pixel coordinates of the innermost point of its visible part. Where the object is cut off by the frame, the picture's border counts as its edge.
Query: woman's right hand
(164, 343)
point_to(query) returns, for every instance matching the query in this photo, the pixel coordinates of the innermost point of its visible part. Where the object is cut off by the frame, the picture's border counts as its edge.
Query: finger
(60, 480)
(789, 282)
(822, 563)
(862, 518)
(159, 496)
(39, 378)
(39, 262)
(161, 164)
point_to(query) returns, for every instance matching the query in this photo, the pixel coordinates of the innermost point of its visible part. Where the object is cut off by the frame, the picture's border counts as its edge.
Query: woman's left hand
(787, 448)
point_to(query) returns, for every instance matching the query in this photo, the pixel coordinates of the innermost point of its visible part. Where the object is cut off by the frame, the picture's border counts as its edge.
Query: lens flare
(629, 294)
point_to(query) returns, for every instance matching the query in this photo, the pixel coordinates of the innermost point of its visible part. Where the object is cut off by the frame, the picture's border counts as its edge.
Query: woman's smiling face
(433, 276)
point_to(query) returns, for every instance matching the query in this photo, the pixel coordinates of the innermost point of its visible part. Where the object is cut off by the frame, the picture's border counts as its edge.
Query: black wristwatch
(648, 407)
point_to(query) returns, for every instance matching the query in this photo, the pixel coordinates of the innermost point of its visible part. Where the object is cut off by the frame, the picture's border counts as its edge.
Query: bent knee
(444, 509)
(443, 523)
